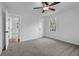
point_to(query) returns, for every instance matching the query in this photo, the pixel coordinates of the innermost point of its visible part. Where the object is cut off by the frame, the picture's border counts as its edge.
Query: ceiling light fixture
(46, 8)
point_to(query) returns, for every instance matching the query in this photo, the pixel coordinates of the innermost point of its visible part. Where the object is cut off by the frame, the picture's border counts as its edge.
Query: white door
(6, 30)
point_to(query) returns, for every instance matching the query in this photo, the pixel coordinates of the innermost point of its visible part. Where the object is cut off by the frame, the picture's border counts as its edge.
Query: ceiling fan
(46, 6)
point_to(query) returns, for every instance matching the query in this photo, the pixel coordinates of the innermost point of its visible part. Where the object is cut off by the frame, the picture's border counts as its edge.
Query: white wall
(31, 27)
(67, 26)
(30, 22)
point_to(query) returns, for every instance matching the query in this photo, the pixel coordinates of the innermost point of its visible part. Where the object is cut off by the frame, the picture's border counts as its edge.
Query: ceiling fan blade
(37, 7)
(52, 9)
(46, 3)
(43, 2)
(54, 3)
(43, 11)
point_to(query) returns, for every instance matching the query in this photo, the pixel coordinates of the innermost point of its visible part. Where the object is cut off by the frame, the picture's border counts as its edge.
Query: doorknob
(6, 31)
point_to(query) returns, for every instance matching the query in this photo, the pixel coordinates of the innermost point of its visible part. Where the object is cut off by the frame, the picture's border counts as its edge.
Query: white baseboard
(32, 38)
(69, 42)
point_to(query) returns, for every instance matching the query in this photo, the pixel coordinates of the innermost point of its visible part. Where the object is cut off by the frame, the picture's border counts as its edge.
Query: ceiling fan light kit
(46, 8)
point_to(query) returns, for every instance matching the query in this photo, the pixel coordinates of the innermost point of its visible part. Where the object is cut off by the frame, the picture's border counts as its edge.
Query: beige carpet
(42, 47)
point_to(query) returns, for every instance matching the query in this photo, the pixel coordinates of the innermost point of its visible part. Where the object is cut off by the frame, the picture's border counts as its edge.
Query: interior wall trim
(59, 40)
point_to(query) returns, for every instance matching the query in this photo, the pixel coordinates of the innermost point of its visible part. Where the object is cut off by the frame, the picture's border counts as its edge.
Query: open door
(6, 30)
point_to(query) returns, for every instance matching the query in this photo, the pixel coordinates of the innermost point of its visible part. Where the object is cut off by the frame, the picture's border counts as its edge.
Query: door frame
(6, 42)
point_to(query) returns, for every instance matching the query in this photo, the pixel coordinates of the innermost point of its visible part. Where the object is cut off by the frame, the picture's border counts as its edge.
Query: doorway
(14, 29)
(11, 29)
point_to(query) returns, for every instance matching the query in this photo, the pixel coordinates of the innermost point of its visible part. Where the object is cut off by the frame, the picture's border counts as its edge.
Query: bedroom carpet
(41, 47)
